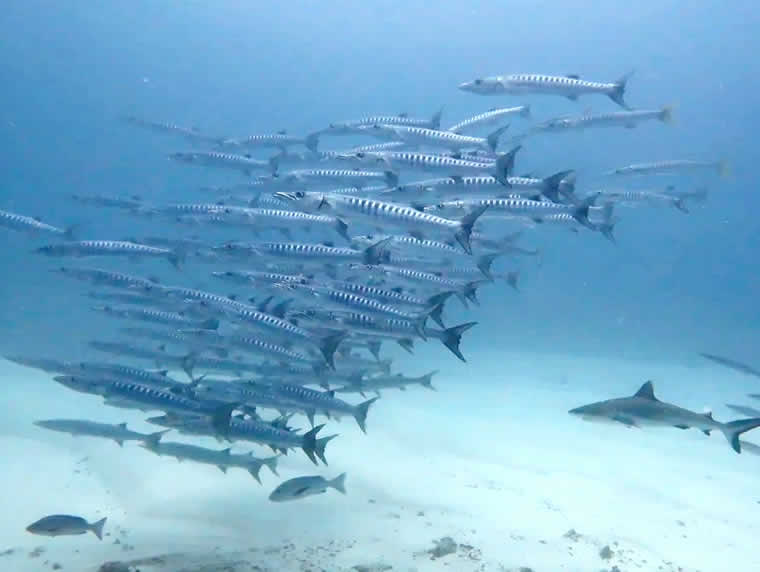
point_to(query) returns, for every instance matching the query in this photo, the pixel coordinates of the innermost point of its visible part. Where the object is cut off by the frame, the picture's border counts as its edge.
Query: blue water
(673, 284)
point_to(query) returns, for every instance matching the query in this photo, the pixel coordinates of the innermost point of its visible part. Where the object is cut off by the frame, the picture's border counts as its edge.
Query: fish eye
(360, 155)
(478, 81)
(300, 194)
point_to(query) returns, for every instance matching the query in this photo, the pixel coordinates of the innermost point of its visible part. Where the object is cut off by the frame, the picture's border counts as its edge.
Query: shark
(644, 409)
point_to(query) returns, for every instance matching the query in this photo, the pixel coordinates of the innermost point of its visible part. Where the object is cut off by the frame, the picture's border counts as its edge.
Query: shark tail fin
(339, 483)
(97, 528)
(733, 429)
(360, 413)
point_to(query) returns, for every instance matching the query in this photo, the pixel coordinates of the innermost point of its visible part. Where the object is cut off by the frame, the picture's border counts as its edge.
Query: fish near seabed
(66, 525)
(294, 489)
(644, 409)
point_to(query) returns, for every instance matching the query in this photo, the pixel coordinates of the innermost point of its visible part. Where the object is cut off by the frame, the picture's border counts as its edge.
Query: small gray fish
(294, 489)
(66, 525)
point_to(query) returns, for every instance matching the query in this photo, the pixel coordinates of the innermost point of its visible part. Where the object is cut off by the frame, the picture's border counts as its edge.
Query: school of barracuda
(338, 253)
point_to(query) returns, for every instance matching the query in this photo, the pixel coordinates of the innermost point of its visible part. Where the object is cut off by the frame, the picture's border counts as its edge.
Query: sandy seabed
(491, 460)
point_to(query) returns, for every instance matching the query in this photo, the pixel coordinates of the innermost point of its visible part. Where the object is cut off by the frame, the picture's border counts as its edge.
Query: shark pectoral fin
(681, 426)
(627, 421)
(706, 431)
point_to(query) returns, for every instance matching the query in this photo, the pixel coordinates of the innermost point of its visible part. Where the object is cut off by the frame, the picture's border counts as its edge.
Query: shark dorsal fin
(122, 425)
(709, 415)
(646, 391)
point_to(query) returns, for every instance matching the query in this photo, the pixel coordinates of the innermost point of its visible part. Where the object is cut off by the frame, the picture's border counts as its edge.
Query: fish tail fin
(188, 365)
(666, 114)
(581, 210)
(451, 337)
(525, 112)
(177, 258)
(465, 227)
(328, 345)
(505, 164)
(360, 413)
(724, 169)
(312, 142)
(427, 380)
(374, 348)
(484, 263)
(391, 178)
(254, 471)
(274, 164)
(377, 253)
(618, 91)
(435, 120)
(553, 183)
(493, 138)
(511, 278)
(72, 231)
(309, 443)
(97, 527)
(733, 429)
(271, 463)
(339, 483)
(221, 419)
(342, 229)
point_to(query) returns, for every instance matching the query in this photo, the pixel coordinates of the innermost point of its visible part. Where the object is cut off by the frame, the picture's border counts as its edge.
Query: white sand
(492, 459)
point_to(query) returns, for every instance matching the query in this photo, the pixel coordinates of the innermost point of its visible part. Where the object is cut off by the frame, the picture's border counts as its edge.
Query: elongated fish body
(385, 381)
(673, 166)
(275, 140)
(250, 344)
(395, 215)
(79, 427)
(31, 225)
(281, 218)
(436, 138)
(489, 118)
(570, 86)
(152, 316)
(374, 148)
(126, 373)
(634, 198)
(223, 161)
(148, 398)
(260, 277)
(341, 299)
(133, 204)
(306, 252)
(191, 133)
(100, 277)
(501, 168)
(324, 401)
(355, 126)
(627, 119)
(86, 248)
(256, 432)
(356, 177)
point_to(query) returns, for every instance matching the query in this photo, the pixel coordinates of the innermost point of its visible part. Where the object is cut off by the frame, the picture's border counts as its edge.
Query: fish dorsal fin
(646, 391)
(330, 393)
(403, 114)
(282, 132)
(122, 425)
(573, 76)
(709, 415)
(225, 451)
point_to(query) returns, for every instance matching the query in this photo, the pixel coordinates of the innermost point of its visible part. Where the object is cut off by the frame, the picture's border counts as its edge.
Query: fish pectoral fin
(572, 97)
(681, 426)
(300, 491)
